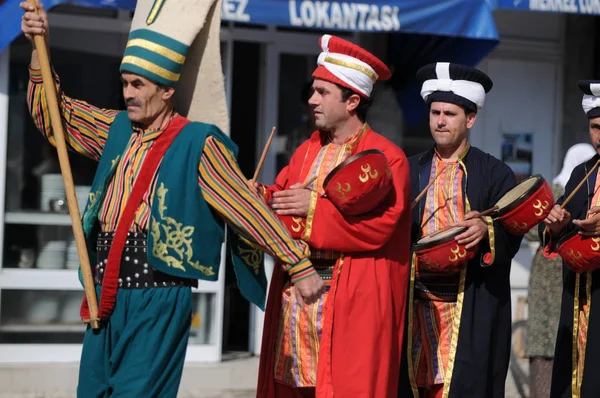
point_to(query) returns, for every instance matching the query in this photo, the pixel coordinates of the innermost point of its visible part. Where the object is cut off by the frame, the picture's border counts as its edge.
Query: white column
(4, 62)
(269, 112)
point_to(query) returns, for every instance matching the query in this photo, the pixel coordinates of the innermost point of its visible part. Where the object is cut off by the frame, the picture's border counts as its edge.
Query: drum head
(520, 192)
(436, 239)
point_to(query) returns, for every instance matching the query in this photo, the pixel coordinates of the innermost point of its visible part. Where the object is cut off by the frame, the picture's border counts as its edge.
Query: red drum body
(360, 183)
(580, 253)
(524, 206)
(439, 252)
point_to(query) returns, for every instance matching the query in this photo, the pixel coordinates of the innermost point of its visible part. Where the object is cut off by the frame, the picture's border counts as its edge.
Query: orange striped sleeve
(226, 190)
(86, 126)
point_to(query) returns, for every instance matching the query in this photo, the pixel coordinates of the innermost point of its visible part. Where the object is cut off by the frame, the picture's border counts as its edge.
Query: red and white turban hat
(349, 65)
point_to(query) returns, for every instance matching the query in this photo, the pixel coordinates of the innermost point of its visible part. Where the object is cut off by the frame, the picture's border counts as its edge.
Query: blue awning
(583, 7)
(456, 18)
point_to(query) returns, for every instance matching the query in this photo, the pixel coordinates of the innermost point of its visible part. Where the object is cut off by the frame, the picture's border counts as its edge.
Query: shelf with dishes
(40, 311)
(54, 250)
(34, 217)
(39, 279)
(44, 328)
(52, 207)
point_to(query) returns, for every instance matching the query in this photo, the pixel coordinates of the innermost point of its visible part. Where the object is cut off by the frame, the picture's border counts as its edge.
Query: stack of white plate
(82, 192)
(52, 188)
(42, 308)
(69, 312)
(52, 255)
(72, 256)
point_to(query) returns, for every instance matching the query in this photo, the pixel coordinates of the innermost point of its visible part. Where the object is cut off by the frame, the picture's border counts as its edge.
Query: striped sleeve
(86, 126)
(226, 190)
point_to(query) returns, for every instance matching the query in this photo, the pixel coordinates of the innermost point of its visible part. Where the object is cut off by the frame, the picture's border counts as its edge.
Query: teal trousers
(140, 351)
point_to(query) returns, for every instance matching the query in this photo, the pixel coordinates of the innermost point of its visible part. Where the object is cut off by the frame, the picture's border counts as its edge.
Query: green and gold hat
(175, 43)
(154, 56)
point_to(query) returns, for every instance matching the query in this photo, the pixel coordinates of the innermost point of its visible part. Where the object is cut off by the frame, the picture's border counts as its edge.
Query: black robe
(562, 369)
(483, 349)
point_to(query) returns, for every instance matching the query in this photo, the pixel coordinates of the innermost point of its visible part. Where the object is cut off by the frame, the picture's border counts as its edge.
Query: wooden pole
(65, 168)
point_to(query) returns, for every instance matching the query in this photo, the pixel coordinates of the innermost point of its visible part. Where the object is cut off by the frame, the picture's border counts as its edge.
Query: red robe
(363, 328)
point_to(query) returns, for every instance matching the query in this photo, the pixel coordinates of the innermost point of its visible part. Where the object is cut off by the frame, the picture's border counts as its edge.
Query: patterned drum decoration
(440, 252)
(524, 206)
(360, 183)
(580, 253)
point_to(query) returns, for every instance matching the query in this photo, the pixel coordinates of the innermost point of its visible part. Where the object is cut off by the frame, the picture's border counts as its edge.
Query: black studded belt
(135, 271)
(437, 287)
(324, 267)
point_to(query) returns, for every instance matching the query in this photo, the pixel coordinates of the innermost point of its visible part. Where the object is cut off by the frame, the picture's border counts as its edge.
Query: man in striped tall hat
(575, 368)
(459, 318)
(355, 216)
(164, 189)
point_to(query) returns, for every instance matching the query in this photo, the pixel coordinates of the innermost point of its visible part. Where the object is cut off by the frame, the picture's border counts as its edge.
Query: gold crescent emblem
(540, 207)
(367, 173)
(298, 224)
(596, 245)
(456, 254)
(343, 190)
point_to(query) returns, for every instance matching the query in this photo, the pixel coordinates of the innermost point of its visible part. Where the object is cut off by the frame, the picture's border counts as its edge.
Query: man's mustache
(132, 102)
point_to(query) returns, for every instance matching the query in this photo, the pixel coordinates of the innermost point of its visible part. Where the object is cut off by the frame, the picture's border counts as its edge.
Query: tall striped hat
(175, 43)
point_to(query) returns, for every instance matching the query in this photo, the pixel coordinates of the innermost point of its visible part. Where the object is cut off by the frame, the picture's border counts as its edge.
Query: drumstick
(450, 209)
(307, 183)
(264, 155)
(420, 196)
(482, 214)
(579, 186)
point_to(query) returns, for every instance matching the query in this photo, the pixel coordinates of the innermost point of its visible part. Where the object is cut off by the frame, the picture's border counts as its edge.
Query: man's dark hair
(159, 86)
(468, 110)
(363, 105)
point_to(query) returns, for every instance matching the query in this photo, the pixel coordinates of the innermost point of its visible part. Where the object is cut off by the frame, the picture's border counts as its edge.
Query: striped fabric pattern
(433, 320)
(297, 349)
(444, 204)
(432, 334)
(223, 184)
(86, 126)
(582, 329)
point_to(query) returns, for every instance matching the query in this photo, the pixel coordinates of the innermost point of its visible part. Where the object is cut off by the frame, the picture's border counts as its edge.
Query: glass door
(39, 289)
